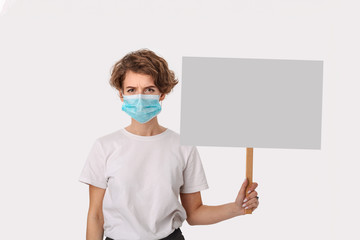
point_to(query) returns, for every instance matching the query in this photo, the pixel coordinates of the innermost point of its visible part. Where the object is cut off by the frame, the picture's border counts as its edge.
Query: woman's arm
(199, 214)
(95, 218)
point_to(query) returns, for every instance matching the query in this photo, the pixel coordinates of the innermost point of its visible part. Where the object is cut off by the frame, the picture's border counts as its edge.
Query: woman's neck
(149, 128)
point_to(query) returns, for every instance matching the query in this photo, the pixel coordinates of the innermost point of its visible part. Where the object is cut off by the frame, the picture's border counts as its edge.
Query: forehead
(132, 78)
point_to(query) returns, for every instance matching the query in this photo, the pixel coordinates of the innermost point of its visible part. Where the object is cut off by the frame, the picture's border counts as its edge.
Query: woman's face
(137, 83)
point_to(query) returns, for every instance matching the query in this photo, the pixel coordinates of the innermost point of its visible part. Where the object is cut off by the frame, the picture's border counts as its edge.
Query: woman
(136, 174)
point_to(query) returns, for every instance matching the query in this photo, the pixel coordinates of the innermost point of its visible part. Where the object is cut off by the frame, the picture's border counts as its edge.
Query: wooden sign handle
(249, 172)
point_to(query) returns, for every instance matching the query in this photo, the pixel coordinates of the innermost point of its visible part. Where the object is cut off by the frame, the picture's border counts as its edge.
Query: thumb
(241, 194)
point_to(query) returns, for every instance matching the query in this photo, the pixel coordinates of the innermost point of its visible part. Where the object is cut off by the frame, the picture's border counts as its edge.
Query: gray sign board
(258, 103)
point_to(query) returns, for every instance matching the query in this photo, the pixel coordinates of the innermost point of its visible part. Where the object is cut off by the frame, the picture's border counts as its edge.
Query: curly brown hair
(146, 62)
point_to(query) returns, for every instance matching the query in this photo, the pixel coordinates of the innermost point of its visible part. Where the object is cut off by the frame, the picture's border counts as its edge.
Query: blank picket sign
(259, 103)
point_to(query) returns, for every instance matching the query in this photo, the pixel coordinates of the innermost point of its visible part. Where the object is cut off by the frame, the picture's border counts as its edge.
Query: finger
(241, 194)
(252, 187)
(253, 194)
(251, 204)
(253, 209)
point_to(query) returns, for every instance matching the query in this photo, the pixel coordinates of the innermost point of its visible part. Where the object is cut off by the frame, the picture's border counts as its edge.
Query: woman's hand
(250, 202)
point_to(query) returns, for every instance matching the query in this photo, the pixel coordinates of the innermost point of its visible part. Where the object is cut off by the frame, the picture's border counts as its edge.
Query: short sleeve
(93, 172)
(193, 174)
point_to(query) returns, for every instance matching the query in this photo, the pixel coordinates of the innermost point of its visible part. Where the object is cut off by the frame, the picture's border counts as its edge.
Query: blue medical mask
(141, 107)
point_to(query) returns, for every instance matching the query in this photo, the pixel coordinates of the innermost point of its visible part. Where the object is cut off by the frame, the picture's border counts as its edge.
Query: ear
(121, 96)
(162, 96)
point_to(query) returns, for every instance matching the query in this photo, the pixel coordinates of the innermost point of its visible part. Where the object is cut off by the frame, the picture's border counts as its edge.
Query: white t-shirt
(143, 176)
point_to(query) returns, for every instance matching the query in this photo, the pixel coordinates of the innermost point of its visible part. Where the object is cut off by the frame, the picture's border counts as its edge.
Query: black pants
(176, 235)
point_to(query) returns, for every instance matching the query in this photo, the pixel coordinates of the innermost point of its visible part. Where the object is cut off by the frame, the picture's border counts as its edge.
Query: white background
(55, 61)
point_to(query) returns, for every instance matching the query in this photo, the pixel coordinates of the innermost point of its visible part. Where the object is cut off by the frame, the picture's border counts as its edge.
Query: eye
(152, 90)
(129, 90)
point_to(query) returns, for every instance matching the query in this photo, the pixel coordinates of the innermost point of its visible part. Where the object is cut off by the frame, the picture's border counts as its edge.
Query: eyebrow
(145, 87)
